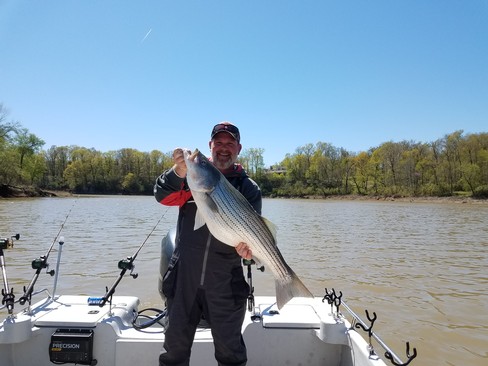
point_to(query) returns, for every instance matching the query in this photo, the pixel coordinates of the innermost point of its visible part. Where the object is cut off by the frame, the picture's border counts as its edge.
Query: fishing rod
(124, 265)
(8, 297)
(336, 300)
(40, 263)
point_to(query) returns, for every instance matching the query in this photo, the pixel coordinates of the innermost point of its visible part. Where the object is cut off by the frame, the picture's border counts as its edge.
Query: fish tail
(292, 287)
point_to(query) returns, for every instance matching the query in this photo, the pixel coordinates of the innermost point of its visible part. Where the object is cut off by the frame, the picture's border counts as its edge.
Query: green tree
(130, 184)
(253, 161)
(472, 152)
(56, 160)
(34, 168)
(451, 162)
(346, 169)
(27, 144)
(9, 169)
(7, 128)
(82, 172)
(361, 172)
(111, 172)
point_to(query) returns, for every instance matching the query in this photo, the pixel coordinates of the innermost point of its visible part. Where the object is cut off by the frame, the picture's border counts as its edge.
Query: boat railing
(335, 301)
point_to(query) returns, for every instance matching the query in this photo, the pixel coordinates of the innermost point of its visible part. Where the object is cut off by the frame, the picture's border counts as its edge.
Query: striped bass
(231, 219)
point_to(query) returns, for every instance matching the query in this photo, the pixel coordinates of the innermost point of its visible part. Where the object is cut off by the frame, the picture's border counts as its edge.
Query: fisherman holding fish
(205, 276)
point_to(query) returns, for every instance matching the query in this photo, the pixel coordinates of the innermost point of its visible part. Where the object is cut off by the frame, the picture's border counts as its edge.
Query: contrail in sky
(147, 34)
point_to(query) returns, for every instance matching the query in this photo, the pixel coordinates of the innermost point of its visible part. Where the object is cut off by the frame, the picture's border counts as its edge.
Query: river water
(421, 267)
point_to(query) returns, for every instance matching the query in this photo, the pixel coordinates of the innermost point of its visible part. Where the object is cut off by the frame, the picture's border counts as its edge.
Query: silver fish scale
(238, 221)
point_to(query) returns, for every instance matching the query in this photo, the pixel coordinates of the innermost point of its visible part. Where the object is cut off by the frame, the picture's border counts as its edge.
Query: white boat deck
(302, 333)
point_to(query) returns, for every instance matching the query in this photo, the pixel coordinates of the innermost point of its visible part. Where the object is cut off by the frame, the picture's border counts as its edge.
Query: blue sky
(159, 74)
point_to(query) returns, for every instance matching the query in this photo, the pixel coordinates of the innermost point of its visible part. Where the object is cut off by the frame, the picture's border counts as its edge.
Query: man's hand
(179, 160)
(243, 250)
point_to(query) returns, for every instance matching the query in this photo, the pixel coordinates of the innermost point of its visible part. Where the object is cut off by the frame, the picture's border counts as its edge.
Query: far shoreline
(28, 192)
(407, 199)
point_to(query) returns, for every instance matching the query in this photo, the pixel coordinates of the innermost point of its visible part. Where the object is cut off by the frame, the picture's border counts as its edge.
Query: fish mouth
(193, 155)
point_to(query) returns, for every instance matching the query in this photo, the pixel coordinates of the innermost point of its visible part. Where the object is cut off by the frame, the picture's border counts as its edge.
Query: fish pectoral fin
(210, 203)
(199, 221)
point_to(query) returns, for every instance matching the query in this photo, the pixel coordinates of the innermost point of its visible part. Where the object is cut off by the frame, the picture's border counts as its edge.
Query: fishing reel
(7, 243)
(250, 262)
(128, 265)
(40, 263)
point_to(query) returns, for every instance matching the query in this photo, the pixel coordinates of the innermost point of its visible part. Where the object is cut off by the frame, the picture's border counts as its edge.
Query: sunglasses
(221, 127)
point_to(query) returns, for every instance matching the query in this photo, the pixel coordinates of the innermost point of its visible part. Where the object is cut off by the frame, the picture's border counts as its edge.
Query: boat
(113, 331)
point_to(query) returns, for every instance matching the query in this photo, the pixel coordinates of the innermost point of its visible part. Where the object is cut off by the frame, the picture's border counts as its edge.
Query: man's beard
(223, 164)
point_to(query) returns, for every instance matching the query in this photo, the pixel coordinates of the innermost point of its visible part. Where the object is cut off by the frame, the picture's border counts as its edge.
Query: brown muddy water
(421, 267)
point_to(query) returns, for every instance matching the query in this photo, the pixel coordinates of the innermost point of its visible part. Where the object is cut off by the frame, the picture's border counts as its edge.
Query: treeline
(455, 163)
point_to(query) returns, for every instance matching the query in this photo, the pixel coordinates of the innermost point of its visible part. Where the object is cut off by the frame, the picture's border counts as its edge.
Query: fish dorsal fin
(272, 227)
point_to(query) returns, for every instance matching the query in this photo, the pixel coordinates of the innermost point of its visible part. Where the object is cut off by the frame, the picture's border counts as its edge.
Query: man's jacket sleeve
(170, 189)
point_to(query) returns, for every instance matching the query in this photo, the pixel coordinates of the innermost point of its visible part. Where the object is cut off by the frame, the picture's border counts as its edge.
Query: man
(205, 276)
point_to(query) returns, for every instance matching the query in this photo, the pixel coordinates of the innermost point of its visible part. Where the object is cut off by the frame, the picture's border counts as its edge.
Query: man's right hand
(180, 165)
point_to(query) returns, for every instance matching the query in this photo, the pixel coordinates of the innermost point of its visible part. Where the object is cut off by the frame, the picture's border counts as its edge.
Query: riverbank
(7, 191)
(25, 192)
(449, 199)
